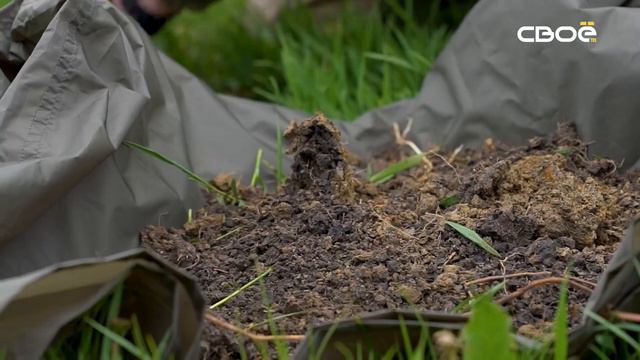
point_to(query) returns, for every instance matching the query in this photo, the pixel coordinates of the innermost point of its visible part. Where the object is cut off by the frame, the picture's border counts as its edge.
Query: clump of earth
(339, 246)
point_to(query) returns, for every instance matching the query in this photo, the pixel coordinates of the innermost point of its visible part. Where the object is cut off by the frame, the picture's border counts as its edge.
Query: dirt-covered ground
(339, 245)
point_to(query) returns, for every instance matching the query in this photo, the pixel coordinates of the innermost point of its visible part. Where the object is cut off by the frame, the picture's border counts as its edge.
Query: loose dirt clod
(339, 247)
(319, 165)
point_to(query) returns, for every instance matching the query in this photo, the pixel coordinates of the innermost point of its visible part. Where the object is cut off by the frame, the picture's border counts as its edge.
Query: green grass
(449, 201)
(561, 324)
(280, 174)
(354, 64)
(343, 67)
(392, 170)
(240, 289)
(101, 333)
(474, 237)
(216, 46)
(256, 178)
(232, 197)
(488, 332)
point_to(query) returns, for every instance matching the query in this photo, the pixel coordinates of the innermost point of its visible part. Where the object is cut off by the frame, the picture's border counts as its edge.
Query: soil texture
(339, 246)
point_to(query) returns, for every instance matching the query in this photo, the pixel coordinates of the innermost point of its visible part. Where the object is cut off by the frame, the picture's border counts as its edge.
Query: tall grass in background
(217, 46)
(355, 63)
(343, 66)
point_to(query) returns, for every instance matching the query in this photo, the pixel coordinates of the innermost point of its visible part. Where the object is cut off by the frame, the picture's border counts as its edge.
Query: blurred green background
(341, 62)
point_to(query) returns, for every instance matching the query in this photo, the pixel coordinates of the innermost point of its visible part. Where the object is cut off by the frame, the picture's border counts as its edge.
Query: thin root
(503, 277)
(626, 316)
(546, 281)
(401, 139)
(251, 335)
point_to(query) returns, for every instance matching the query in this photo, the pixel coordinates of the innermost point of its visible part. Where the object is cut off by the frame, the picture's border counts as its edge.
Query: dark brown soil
(340, 246)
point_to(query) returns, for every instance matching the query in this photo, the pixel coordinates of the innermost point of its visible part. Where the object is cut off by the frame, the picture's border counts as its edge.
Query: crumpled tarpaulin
(79, 77)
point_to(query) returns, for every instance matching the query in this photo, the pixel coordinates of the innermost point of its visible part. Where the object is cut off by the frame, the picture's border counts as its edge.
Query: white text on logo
(565, 34)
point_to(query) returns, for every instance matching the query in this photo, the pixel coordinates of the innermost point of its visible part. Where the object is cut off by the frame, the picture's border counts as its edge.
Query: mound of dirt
(339, 246)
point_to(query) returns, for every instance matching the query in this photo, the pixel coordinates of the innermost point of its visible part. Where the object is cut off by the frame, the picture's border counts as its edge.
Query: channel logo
(585, 32)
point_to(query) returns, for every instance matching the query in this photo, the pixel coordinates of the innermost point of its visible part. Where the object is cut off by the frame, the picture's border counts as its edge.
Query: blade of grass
(189, 216)
(560, 325)
(393, 169)
(344, 350)
(599, 353)
(489, 294)
(229, 233)
(614, 329)
(240, 289)
(190, 174)
(390, 59)
(324, 343)
(124, 343)
(162, 347)
(256, 169)
(406, 339)
(474, 237)
(151, 343)
(136, 332)
(114, 310)
(424, 326)
(282, 349)
(280, 177)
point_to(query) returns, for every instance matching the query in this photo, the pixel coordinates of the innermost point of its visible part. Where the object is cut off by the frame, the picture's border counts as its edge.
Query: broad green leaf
(487, 335)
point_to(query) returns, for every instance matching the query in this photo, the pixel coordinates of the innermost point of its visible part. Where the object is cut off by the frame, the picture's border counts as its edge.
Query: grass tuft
(101, 334)
(354, 61)
(233, 196)
(613, 328)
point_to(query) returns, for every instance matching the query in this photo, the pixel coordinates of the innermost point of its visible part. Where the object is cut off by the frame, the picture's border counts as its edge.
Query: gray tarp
(79, 77)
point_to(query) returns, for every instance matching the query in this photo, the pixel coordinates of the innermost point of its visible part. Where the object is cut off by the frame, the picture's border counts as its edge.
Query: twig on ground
(251, 335)
(503, 277)
(546, 281)
(583, 282)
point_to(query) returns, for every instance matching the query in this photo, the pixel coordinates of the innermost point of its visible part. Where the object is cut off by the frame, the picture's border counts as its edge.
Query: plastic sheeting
(78, 78)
